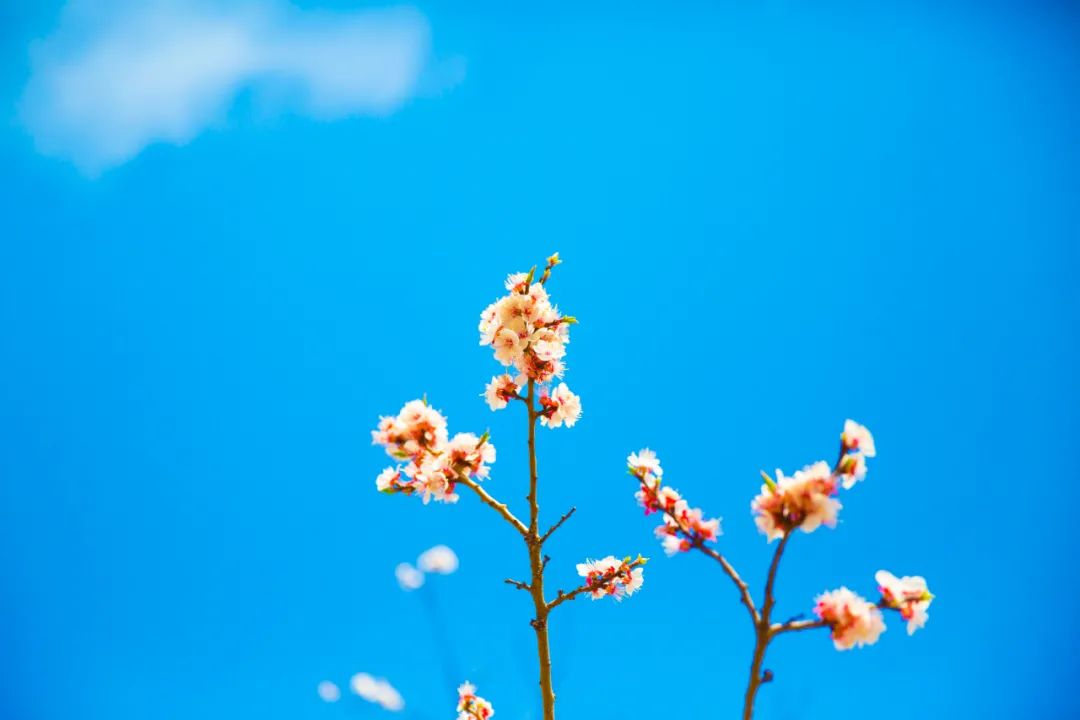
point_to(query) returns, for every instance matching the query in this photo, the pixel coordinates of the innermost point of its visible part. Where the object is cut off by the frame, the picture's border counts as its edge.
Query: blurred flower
(329, 692)
(439, 559)
(857, 437)
(470, 705)
(803, 501)
(909, 595)
(854, 621)
(645, 461)
(857, 444)
(377, 691)
(408, 577)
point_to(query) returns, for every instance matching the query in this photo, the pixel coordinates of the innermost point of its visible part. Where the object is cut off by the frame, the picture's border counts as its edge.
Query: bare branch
(796, 626)
(518, 584)
(494, 504)
(553, 528)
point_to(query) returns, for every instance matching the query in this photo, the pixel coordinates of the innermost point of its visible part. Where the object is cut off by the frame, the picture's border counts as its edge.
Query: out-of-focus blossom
(470, 705)
(802, 501)
(377, 690)
(908, 594)
(561, 406)
(857, 437)
(439, 559)
(611, 577)
(857, 444)
(329, 692)
(408, 577)
(854, 621)
(643, 462)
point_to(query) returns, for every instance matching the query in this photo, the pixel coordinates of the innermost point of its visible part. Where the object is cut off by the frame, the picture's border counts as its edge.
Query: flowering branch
(611, 581)
(805, 502)
(526, 332)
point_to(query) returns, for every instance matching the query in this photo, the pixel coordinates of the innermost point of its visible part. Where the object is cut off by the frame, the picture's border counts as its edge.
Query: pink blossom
(470, 705)
(417, 429)
(803, 501)
(644, 462)
(908, 594)
(854, 621)
(500, 391)
(611, 577)
(561, 406)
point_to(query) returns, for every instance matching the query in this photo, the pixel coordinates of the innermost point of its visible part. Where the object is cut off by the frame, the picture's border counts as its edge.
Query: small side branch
(796, 626)
(729, 570)
(518, 584)
(553, 528)
(494, 504)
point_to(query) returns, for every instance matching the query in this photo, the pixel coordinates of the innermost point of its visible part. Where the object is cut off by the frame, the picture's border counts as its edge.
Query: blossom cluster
(529, 334)
(854, 621)
(609, 577)
(683, 527)
(470, 705)
(807, 499)
(908, 595)
(435, 464)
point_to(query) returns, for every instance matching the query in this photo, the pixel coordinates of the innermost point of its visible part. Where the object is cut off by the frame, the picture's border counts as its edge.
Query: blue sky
(772, 219)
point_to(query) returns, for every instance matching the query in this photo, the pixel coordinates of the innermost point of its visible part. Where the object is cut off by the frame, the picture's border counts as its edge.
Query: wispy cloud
(118, 76)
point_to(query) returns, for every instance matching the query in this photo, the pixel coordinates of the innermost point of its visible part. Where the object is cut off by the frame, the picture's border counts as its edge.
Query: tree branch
(494, 504)
(729, 570)
(770, 582)
(555, 527)
(518, 584)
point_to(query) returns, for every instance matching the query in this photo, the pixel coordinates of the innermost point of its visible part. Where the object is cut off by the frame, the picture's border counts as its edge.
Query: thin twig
(553, 528)
(495, 504)
(517, 583)
(729, 570)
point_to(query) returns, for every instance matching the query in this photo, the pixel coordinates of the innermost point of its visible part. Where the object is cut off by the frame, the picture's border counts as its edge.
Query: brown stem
(729, 570)
(556, 526)
(763, 631)
(761, 642)
(536, 565)
(493, 503)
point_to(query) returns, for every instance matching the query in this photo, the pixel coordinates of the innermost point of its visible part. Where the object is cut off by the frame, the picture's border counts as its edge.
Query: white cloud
(119, 75)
